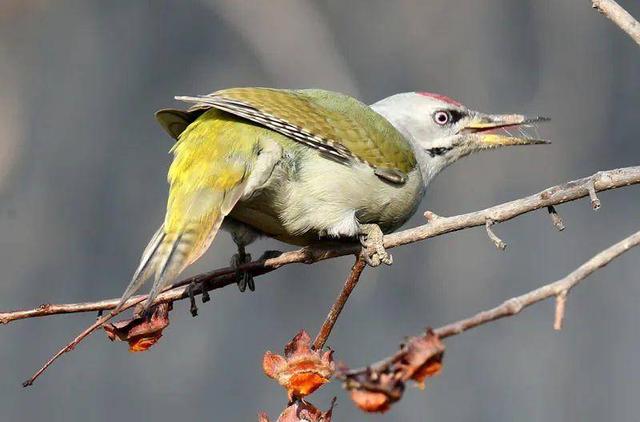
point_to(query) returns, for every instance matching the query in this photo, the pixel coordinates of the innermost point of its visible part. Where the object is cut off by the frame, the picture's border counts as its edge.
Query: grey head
(443, 130)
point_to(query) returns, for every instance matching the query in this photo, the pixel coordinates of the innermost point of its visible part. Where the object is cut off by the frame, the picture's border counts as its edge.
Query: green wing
(339, 126)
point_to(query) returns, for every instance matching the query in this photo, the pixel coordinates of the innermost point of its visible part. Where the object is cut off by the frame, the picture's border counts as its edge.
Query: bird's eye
(442, 117)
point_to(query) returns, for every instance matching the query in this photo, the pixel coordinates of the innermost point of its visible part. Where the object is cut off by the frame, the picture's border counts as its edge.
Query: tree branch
(73, 343)
(619, 16)
(558, 289)
(436, 226)
(216, 279)
(334, 312)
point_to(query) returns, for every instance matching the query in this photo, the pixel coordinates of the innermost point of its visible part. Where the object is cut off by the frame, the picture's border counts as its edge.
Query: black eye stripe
(438, 151)
(456, 115)
(447, 117)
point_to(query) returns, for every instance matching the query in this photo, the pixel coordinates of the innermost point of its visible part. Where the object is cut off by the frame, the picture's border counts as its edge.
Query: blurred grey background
(82, 188)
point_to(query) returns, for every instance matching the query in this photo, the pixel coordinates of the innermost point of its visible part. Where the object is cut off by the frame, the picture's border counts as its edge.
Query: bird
(305, 166)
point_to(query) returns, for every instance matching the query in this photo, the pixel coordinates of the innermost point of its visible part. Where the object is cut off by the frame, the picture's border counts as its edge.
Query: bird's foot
(373, 251)
(244, 279)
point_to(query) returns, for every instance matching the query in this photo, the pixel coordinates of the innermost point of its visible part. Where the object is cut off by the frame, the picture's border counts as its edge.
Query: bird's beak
(492, 130)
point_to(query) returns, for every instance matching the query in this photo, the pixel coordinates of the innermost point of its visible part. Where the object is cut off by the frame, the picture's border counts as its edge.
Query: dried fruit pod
(301, 370)
(376, 388)
(140, 332)
(301, 411)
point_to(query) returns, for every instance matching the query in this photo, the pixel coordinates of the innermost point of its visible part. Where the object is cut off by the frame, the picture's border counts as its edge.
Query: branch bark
(216, 279)
(619, 16)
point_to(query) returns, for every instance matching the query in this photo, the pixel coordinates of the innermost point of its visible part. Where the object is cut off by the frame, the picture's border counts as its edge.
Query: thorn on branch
(595, 202)
(431, 216)
(561, 302)
(494, 238)
(555, 218)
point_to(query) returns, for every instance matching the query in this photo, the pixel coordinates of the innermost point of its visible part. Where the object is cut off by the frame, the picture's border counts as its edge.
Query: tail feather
(145, 268)
(168, 254)
(170, 266)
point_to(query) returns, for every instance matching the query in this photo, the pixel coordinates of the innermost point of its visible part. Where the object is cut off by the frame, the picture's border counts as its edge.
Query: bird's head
(443, 130)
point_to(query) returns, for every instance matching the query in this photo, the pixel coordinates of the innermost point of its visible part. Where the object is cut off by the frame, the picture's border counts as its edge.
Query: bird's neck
(429, 166)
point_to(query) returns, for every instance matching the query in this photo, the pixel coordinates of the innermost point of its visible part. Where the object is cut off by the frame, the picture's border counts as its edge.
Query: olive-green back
(336, 124)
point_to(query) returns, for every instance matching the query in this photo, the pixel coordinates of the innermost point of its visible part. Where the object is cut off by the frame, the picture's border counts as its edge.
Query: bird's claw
(192, 300)
(244, 279)
(373, 251)
(374, 257)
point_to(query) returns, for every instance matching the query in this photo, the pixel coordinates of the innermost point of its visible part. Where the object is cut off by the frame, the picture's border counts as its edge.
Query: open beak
(492, 130)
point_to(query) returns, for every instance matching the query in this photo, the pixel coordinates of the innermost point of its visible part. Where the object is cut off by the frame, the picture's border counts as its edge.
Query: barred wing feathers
(339, 126)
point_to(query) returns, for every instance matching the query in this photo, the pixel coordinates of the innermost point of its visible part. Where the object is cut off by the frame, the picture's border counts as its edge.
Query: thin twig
(349, 284)
(561, 304)
(494, 237)
(516, 304)
(619, 16)
(216, 279)
(73, 343)
(555, 218)
(595, 202)
(513, 306)
(212, 280)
